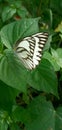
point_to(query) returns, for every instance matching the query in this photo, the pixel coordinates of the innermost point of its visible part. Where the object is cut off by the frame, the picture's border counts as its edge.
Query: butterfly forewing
(29, 50)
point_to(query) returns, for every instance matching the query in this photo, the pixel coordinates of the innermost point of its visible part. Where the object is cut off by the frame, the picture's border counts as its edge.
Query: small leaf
(49, 57)
(57, 56)
(7, 13)
(4, 120)
(22, 12)
(59, 28)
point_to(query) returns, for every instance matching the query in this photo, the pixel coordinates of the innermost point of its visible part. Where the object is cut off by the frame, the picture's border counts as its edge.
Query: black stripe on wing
(32, 44)
(33, 56)
(42, 38)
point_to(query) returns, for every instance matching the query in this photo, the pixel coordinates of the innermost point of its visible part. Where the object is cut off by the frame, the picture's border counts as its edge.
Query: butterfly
(29, 49)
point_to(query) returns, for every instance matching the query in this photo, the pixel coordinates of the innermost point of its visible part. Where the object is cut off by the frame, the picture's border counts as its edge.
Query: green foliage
(30, 100)
(39, 107)
(55, 58)
(22, 28)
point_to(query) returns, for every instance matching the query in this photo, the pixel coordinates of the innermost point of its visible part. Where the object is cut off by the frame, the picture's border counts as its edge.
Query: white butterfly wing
(29, 50)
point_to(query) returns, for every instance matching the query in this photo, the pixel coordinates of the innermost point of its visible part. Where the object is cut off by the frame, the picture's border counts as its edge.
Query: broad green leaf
(11, 71)
(7, 13)
(17, 30)
(48, 84)
(42, 115)
(39, 115)
(43, 78)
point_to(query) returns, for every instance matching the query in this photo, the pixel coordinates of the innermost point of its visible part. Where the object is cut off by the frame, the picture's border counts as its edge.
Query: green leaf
(11, 71)
(3, 125)
(49, 57)
(7, 96)
(59, 118)
(7, 99)
(57, 56)
(17, 30)
(59, 52)
(4, 120)
(39, 115)
(43, 78)
(15, 4)
(59, 28)
(22, 12)
(7, 13)
(1, 48)
(20, 114)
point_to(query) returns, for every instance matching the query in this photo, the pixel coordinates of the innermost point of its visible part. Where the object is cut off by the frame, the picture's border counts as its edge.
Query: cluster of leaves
(30, 100)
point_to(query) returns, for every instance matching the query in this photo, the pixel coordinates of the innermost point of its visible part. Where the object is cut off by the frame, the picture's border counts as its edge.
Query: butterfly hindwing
(29, 50)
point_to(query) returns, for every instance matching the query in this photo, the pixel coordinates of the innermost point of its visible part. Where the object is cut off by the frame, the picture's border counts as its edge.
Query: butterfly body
(29, 50)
